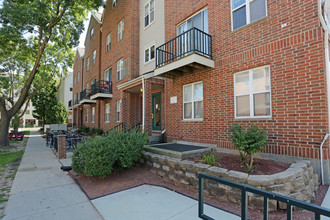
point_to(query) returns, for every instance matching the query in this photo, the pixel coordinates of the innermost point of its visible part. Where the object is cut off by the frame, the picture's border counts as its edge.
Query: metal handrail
(318, 211)
(85, 94)
(101, 86)
(191, 41)
(119, 127)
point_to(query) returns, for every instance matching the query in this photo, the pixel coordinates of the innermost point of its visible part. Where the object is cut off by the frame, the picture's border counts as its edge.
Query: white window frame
(149, 58)
(120, 31)
(91, 33)
(247, 4)
(93, 115)
(192, 103)
(114, 3)
(120, 69)
(148, 13)
(107, 113)
(86, 115)
(107, 71)
(108, 43)
(87, 64)
(251, 93)
(118, 108)
(94, 57)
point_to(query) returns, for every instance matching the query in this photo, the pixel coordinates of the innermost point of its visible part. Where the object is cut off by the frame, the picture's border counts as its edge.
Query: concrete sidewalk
(41, 190)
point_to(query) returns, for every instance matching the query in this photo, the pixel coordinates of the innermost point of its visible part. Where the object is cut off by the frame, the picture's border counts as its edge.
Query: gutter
(327, 71)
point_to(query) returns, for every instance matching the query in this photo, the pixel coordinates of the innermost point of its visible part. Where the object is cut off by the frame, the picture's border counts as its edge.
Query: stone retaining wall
(298, 181)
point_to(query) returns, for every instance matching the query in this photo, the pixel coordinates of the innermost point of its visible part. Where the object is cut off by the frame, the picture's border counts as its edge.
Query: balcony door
(185, 44)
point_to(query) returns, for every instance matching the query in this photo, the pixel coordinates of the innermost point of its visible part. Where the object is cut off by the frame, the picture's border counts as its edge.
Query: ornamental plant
(100, 156)
(248, 142)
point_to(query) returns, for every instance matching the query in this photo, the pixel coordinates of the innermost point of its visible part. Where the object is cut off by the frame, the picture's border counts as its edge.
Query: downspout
(327, 70)
(143, 104)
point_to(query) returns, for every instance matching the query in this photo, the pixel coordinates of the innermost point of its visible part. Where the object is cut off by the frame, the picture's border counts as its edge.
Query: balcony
(70, 105)
(186, 52)
(85, 97)
(101, 90)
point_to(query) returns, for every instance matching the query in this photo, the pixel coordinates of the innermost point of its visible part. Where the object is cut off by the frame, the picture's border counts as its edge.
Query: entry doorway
(156, 112)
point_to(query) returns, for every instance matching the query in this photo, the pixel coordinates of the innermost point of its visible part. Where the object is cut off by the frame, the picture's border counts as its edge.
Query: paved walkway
(41, 190)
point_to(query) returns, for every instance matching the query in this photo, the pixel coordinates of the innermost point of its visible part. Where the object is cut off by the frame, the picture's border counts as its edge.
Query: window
(114, 3)
(78, 76)
(120, 30)
(149, 13)
(107, 113)
(118, 111)
(126, 67)
(27, 112)
(87, 64)
(252, 93)
(75, 80)
(108, 42)
(93, 114)
(94, 57)
(92, 33)
(86, 116)
(108, 75)
(149, 54)
(199, 20)
(247, 11)
(193, 101)
(87, 86)
(120, 66)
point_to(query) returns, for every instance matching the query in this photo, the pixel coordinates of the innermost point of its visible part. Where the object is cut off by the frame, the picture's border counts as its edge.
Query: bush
(100, 156)
(96, 131)
(83, 129)
(209, 158)
(248, 142)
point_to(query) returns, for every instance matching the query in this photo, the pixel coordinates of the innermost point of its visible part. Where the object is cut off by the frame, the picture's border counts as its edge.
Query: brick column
(61, 147)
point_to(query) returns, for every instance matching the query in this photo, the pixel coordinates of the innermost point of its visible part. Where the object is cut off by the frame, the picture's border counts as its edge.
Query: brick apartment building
(196, 67)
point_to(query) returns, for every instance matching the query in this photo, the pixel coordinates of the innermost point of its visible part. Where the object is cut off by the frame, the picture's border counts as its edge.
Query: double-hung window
(108, 42)
(75, 80)
(247, 11)
(120, 30)
(193, 101)
(149, 13)
(108, 74)
(114, 3)
(118, 111)
(252, 93)
(149, 54)
(92, 33)
(107, 113)
(93, 114)
(94, 57)
(120, 67)
(87, 64)
(78, 76)
(86, 116)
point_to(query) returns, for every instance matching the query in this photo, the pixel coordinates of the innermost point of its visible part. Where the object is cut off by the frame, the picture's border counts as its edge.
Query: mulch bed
(95, 187)
(233, 162)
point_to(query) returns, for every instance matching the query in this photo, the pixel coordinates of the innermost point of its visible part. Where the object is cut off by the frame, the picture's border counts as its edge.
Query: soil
(233, 162)
(95, 187)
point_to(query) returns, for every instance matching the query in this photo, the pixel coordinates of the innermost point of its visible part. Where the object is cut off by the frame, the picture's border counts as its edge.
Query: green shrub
(248, 142)
(96, 131)
(83, 129)
(100, 156)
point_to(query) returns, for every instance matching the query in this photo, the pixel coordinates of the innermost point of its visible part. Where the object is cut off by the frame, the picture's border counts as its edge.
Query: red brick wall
(298, 85)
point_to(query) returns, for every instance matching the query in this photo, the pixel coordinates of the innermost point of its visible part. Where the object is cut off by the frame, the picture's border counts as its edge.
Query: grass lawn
(8, 157)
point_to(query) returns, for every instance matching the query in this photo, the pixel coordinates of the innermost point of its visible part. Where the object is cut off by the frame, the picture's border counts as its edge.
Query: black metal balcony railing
(191, 41)
(85, 94)
(76, 102)
(70, 103)
(102, 86)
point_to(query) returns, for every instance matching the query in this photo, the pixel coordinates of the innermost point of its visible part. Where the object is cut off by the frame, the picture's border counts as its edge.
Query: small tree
(16, 121)
(248, 142)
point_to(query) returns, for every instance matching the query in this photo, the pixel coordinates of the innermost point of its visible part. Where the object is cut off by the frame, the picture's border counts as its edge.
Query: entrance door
(156, 112)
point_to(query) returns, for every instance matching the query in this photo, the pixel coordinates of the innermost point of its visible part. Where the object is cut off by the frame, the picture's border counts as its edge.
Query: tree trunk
(4, 127)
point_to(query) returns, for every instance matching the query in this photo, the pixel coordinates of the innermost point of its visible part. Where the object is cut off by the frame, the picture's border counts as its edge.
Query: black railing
(85, 94)
(136, 127)
(102, 86)
(191, 41)
(245, 189)
(70, 103)
(117, 128)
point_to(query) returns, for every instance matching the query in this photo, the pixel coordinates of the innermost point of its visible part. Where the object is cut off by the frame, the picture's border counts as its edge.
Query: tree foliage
(36, 37)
